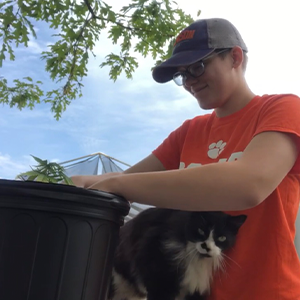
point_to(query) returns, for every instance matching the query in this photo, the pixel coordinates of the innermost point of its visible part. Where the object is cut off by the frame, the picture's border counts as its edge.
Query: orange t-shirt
(263, 265)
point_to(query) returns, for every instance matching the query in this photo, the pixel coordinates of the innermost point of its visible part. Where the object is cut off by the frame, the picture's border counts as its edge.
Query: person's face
(214, 87)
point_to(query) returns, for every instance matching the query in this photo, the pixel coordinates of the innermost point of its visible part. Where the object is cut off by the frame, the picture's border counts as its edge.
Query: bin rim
(63, 192)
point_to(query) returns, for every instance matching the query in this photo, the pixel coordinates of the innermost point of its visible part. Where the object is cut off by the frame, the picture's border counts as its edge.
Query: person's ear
(237, 56)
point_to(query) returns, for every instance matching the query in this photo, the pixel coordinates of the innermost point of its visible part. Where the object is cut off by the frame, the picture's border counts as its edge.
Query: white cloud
(35, 47)
(10, 167)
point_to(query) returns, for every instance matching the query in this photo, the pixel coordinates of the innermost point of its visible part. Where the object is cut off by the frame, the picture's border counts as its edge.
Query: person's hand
(85, 181)
(110, 185)
(104, 184)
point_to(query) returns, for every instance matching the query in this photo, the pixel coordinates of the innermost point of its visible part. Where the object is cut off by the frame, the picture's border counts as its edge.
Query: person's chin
(205, 104)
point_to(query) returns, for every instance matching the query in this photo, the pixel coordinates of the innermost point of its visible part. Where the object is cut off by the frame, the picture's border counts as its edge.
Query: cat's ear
(237, 221)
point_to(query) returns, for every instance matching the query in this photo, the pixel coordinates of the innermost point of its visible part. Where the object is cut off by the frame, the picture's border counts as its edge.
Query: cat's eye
(222, 238)
(200, 231)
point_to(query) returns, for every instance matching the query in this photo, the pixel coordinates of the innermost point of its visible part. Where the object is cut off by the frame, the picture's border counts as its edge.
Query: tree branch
(90, 9)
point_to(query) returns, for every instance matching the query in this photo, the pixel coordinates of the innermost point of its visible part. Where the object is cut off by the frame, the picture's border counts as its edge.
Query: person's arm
(148, 164)
(236, 185)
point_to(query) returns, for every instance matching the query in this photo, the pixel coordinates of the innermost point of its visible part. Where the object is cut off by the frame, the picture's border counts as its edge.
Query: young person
(242, 158)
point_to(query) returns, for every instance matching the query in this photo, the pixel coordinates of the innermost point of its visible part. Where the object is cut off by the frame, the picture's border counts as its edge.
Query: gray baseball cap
(196, 42)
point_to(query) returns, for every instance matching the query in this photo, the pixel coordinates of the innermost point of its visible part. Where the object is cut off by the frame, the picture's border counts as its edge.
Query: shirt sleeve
(169, 151)
(281, 113)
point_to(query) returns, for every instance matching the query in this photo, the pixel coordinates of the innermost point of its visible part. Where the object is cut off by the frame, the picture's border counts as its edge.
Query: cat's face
(213, 232)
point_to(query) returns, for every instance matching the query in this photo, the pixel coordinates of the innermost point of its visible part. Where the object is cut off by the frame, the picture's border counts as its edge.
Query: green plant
(46, 171)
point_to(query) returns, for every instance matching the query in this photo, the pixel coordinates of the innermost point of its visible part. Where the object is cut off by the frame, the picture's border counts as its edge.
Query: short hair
(224, 54)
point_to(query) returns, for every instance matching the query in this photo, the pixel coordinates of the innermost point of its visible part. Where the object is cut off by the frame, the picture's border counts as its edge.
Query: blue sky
(129, 118)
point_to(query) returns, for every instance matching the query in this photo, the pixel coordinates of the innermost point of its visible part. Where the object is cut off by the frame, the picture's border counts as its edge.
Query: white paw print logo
(215, 149)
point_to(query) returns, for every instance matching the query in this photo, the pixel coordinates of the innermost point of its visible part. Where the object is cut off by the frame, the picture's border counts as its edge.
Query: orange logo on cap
(185, 35)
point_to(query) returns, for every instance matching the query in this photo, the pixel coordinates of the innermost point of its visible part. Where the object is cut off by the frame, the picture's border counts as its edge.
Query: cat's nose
(204, 246)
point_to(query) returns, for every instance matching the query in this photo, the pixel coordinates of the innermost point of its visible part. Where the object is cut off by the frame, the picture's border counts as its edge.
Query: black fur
(152, 257)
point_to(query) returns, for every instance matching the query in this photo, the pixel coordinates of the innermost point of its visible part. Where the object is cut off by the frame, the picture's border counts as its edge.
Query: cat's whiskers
(225, 264)
(187, 255)
(219, 273)
(182, 259)
(229, 258)
(195, 252)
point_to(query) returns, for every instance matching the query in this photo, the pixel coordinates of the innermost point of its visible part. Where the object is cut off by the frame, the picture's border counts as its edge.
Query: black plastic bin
(57, 242)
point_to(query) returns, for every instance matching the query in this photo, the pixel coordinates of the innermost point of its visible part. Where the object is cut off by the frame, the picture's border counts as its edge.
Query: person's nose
(189, 81)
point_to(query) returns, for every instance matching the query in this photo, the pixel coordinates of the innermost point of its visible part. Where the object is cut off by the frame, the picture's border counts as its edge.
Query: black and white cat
(167, 254)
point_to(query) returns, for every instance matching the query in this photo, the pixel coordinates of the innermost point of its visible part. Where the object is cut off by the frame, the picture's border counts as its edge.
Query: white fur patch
(199, 270)
(123, 287)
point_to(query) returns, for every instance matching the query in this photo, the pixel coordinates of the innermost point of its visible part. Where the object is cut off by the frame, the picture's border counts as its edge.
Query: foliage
(147, 27)
(46, 172)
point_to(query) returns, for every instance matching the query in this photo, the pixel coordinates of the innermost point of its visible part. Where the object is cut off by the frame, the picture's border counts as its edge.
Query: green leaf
(46, 172)
(141, 27)
(67, 180)
(40, 161)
